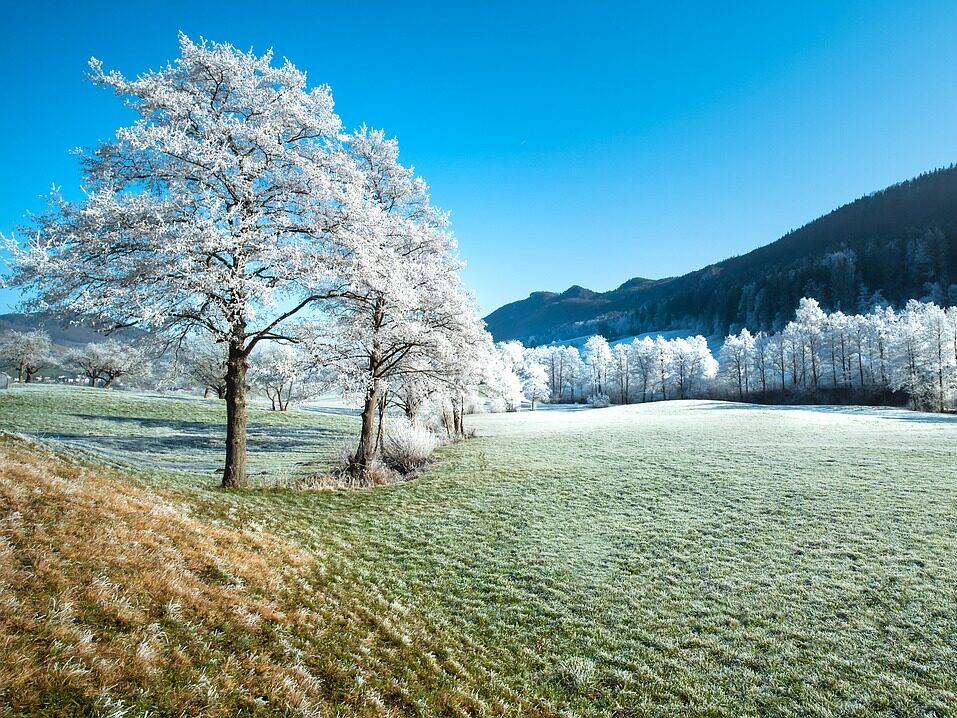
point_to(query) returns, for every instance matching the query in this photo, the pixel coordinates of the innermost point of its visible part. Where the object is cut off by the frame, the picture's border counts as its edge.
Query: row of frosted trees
(643, 370)
(910, 353)
(884, 357)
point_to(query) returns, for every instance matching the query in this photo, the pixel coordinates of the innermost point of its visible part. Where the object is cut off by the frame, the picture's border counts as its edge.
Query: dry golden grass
(116, 602)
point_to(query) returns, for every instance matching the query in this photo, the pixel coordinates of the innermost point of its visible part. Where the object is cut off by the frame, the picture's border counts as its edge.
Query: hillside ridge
(891, 245)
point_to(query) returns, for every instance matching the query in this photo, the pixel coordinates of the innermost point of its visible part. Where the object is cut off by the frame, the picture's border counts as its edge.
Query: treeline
(883, 357)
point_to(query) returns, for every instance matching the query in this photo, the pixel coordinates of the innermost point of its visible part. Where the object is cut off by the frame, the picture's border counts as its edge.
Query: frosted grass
(673, 559)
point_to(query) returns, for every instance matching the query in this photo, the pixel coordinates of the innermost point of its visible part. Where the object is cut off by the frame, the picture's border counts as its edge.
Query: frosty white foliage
(913, 351)
(203, 363)
(285, 373)
(400, 310)
(105, 362)
(505, 382)
(219, 208)
(534, 382)
(25, 352)
(641, 370)
(691, 364)
(736, 358)
(598, 359)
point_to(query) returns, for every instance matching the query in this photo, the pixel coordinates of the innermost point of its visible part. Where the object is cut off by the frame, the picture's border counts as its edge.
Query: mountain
(64, 333)
(893, 245)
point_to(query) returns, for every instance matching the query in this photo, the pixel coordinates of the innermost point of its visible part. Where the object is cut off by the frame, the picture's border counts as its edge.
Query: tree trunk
(382, 407)
(234, 472)
(365, 452)
(22, 372)
(458, 410)
(366, 449)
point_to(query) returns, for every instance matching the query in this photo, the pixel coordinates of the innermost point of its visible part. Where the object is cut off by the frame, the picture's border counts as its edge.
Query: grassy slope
(116, 602)
(680, 559)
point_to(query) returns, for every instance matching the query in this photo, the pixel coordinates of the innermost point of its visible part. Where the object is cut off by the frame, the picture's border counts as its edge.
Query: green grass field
(675, 559)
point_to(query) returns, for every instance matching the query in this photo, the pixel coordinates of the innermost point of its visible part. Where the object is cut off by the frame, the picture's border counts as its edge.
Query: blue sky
(574, 143)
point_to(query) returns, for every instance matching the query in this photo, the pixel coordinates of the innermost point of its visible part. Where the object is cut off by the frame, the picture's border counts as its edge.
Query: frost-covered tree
(909, 372)
(838, 331)
(937, 354)
(883, 321)
(644, 355)
(225, 208)
(621, 372)
(534, 380)
(810, 321)
(26, 352)
(858, 330)
(203, 363)
(285, 373)
(792, 343)
(597, 357)
(400, 307)
(506, 380)
(465, 369)
(776, 347)
(574, 371)
(691, 363)
(555, 359)
(662, 365)
(105, 362)
(410, 392)
(764, 350)
(736, 358)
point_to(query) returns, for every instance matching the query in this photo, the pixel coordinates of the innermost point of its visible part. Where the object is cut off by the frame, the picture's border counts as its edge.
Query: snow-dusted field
(673, 559)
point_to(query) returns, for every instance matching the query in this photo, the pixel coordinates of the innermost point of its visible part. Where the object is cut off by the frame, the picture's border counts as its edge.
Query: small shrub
(599, 401)
(407, 446)
(496, 405)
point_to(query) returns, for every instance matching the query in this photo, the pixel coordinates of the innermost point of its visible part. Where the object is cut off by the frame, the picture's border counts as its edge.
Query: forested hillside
(891, 246)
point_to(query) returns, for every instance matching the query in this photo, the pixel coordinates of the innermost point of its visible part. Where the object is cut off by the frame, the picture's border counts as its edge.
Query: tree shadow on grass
(189, 445)
(257, 441)
(178, 425)
(332, 410)
(205, 428)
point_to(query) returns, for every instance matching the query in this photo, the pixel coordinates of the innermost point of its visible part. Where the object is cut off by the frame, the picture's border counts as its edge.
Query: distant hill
(64, 333)
(897, 244)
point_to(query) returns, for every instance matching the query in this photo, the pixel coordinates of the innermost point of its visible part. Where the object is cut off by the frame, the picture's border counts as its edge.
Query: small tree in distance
(105, 362)
(27, 352)
(285, 373)
(203, 363)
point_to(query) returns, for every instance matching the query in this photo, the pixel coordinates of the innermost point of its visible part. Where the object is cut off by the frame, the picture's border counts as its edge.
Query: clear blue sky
(574, 143)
